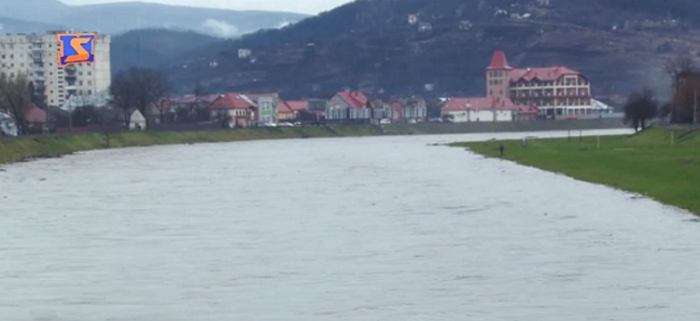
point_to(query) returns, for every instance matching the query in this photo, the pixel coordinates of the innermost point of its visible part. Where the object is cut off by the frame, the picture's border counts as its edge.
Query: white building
(485, 109)
(7, 125)
(137, 121)
(37, 57)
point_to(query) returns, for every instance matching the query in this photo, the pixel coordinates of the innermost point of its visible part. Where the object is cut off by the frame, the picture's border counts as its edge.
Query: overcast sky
(303, 6)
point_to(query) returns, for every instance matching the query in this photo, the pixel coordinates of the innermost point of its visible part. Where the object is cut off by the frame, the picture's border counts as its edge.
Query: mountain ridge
(372, 45)
(110, 17)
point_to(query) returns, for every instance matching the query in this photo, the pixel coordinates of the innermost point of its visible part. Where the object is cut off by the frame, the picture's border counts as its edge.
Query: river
(374, 228)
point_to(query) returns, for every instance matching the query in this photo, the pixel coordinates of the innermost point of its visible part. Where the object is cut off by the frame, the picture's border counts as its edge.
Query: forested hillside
(400, 46)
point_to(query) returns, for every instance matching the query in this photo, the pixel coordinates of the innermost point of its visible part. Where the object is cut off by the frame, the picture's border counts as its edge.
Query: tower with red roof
(498, 76)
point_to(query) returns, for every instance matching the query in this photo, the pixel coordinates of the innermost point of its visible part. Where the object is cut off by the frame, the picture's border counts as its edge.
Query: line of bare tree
(684, 77)
(138, 89)
(15, 98)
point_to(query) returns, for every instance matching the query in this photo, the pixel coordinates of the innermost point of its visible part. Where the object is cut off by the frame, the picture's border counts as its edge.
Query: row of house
(247, 110)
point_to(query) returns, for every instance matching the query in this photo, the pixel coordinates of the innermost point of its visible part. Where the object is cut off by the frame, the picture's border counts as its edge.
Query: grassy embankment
(13, 150)
(646, 163)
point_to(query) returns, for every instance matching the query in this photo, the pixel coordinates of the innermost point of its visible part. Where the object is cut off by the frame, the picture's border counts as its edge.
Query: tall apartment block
(36, 56)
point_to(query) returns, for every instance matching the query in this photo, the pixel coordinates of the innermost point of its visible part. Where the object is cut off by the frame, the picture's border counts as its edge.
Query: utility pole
(70, 113)
(695, 106)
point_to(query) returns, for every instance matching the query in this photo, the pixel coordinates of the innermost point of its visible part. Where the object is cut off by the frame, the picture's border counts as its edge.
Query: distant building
(348, 105)
(291, 109)
(485, 109)
(266, 105)
(36, 56)
(244, 53)
(137, 121)
(233, 110)
(413, 109)
(558, 92)
(425, 27)
(8, 127)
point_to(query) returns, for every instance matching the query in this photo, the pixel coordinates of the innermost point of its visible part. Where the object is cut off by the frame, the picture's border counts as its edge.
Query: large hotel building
(36, 56)
(556, 91)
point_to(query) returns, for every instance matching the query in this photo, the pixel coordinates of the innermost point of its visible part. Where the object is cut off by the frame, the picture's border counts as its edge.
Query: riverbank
(657, 163)
(26, 148)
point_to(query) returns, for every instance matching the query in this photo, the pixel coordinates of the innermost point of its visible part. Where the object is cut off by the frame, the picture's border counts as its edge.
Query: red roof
(354, 99)
(36, 115)
(297, 105)
(231, 101)
(499, 61)
(544, 74)
(485, 103)
(283, 107)
(398, 106)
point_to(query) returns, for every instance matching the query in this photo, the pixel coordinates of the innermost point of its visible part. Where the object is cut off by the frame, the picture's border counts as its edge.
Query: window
(80, 83)
(89, 73)
(89, 82)
(89, 92)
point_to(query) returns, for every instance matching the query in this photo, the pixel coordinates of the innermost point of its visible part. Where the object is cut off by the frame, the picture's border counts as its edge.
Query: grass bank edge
(27, 148)
(661, 164)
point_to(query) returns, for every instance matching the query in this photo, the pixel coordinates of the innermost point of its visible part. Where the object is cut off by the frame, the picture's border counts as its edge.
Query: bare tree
(15, 98)
(199, 92)
(162, 105)
(138, 88)
(675, 67)
(640, 107)
(685, 99)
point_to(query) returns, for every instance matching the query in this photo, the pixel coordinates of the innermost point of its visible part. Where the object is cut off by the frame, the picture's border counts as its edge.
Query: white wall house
(7, 125)
(484, 109)
(137, 121)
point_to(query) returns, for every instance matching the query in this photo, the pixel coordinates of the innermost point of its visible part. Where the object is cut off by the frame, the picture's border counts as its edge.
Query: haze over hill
(19, 16)
(374, 46)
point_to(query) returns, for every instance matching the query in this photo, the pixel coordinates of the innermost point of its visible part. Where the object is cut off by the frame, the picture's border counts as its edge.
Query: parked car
(286, 124)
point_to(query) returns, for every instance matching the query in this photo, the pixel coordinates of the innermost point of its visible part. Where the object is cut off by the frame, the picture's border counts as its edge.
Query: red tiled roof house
(291, 109)
(233, 110)
(348, 105)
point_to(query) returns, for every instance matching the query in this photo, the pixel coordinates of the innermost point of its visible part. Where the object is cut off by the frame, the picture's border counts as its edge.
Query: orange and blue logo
(76, 48)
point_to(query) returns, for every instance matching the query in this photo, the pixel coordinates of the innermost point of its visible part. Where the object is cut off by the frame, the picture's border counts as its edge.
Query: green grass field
(646, 163)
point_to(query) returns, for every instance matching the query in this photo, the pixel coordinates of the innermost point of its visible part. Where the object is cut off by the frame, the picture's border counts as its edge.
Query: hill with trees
(443, 46)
